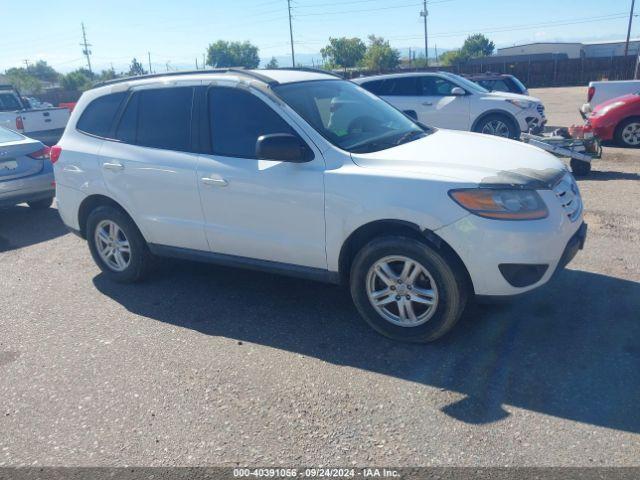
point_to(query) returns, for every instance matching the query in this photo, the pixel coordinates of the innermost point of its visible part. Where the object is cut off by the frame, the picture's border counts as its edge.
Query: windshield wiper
(407, 136)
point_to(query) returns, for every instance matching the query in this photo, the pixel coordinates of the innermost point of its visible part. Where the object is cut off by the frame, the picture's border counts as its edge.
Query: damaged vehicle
(301, 173)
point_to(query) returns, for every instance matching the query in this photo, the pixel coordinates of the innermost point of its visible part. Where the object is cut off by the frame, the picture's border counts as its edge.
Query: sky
(176, 33)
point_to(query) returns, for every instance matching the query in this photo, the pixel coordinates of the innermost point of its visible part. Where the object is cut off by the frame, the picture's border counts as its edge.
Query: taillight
(54, 153)
(590, 93)
(42, 154)
(19, 123)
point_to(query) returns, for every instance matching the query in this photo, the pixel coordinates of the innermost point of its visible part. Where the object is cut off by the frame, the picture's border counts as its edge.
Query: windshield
(348, 116)
(468, 84)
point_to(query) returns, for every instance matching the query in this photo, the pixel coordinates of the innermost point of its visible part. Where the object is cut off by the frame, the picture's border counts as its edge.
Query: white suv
(445, 100)
(301, 173)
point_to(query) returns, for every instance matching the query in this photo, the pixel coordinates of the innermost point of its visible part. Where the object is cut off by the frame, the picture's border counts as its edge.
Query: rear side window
(97, 119)
(237, 119)
(158, 118)
(374, 86)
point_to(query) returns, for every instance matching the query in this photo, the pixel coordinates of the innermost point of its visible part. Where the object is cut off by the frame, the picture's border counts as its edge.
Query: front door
(438, 107)
(262, 209)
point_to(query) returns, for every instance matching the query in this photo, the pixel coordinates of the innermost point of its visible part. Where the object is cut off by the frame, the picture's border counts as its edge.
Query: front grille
(569, 196)
(540, 108)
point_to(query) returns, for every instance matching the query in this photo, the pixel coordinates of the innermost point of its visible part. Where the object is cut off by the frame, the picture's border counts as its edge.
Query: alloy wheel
(497, 128)
(631, 134)
(402, 291)
(112, 245)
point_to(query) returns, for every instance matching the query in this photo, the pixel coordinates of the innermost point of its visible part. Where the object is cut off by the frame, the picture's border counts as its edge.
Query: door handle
(427, 104)
(216, 182)
(114, 166)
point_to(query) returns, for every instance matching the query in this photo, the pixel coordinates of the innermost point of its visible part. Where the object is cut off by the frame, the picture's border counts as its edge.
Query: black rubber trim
(309, 273)
(522, 274)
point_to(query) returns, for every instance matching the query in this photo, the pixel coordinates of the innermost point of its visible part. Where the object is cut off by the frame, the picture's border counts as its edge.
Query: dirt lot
(212, 366)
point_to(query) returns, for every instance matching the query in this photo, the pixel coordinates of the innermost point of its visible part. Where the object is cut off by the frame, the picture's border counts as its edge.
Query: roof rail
(307, 69)
(239, 71)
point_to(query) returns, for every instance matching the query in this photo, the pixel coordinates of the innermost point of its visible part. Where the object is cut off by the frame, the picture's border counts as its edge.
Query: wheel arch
(380, 228)
(92, 202)
(617, 129)
(496, 111)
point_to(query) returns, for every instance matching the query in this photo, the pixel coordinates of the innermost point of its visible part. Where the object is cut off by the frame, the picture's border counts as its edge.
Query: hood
(469, 158)
(514, 96)
(617, 101)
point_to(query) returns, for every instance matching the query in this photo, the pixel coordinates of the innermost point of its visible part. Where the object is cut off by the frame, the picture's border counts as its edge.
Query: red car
(617, 119)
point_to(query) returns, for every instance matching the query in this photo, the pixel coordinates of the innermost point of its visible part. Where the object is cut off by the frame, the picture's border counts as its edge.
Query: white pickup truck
(44, 124)
(600, 92)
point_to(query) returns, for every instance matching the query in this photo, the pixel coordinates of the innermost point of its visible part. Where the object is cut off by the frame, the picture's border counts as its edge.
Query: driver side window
(237, 119)
(436, 87)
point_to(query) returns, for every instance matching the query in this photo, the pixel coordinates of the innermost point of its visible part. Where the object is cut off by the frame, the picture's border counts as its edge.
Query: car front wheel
(117, 246)
(498, 125)
(628, 133)
(406, 290)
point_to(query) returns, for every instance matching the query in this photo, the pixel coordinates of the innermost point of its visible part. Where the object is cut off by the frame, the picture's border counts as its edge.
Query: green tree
(273, 63)
(77, 81)
(343, 52)
(451, 57)
(108, 74)
(223, 54)
(136, 68)
(379, 55)
(43, 71)
(21, 79)
(477, 46)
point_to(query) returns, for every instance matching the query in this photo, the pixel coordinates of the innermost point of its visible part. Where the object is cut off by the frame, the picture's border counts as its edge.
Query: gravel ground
(212, 366)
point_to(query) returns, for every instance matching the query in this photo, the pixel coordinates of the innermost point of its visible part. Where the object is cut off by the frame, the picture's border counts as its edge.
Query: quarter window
(237, 119)
(97, 119)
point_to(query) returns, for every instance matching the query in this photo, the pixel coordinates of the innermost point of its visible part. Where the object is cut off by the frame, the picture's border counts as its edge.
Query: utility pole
(149, 57)
(436, 53)
(26, 63)
(204, 63)
(626, 45)
(424, 14)
(197, 64)
(293, 55)
(85, 51)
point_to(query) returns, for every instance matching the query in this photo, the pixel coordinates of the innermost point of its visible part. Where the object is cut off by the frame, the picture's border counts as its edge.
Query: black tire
(140, 259)
(620, 128)
(450, 282)
(513, 130)
(580, 168)
(41, 204)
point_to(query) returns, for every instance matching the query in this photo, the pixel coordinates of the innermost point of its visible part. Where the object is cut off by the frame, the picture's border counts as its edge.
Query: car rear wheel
(498, 125)
(406, 290)
(628, 133)
(41, 204)
(117, 246)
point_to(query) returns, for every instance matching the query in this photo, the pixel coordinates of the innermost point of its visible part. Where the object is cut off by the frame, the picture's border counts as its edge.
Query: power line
(358, 11)
(86, 52)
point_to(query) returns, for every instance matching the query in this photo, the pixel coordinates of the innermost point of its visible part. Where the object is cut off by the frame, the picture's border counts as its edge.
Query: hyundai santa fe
(302, 173)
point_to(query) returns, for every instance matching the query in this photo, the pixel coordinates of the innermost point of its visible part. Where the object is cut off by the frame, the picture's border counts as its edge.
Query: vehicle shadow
(21, 226)
(570, 350)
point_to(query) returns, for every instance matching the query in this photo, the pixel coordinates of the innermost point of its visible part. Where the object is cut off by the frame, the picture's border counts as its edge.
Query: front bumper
(531, 121)
(484, 245)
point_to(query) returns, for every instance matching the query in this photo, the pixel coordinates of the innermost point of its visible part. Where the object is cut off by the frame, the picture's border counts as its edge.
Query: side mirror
(283, 147)
(458, 92)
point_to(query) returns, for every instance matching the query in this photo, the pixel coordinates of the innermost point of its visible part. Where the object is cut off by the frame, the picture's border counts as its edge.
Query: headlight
(524, 104)
(501, 204)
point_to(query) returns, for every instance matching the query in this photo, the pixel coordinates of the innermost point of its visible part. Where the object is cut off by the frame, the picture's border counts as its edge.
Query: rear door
(15, 161)
(151, 167)
(403, 93)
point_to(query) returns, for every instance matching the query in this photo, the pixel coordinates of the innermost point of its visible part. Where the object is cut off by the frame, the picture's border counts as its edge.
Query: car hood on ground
(468, 158)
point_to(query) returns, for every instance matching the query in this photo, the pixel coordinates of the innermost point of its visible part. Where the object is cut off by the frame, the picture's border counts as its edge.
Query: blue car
(26, 173)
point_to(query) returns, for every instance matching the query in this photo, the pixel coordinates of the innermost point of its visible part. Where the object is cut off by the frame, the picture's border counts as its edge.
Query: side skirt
(308, 273)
